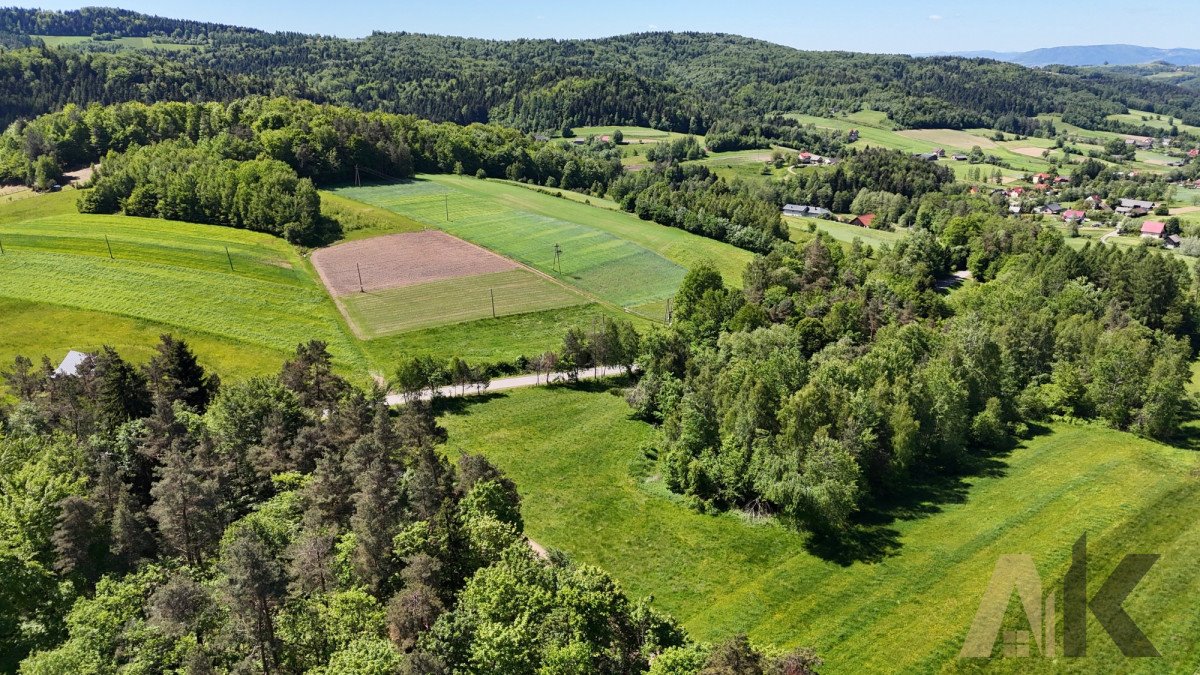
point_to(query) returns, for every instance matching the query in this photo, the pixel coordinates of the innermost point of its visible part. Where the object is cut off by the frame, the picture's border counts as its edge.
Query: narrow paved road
(516, 382)
(1104, 239)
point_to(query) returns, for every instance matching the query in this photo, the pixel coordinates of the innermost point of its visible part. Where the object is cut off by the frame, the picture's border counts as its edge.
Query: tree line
(674, 81)
(838, 376)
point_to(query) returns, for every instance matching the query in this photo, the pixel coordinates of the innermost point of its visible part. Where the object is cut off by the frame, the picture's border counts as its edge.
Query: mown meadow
(900, 592)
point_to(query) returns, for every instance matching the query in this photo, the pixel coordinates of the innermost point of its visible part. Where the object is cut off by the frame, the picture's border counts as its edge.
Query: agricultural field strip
(458, 300)
(613, 269)
(396, 260)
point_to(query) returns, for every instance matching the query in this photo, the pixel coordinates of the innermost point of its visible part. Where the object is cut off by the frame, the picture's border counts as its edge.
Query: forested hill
(680, 81)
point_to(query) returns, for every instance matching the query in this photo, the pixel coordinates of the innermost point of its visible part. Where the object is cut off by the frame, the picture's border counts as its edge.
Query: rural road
(516, 382)
(1104, 239)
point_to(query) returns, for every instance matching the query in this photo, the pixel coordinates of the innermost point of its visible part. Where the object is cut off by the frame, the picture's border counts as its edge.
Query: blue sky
(907, 26)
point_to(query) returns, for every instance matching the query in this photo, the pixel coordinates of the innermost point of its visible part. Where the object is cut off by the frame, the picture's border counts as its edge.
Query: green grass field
(175, 276)
(798, 227)
(124, 42)
(904, 597)
(60, 291)
(502, 339)
(1135, 117)
(612, 255)
(396, 310)
(362, 221)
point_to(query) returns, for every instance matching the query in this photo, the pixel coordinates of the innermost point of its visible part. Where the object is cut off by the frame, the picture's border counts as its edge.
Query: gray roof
(1132, 203)
(70, 365)
(802, 210)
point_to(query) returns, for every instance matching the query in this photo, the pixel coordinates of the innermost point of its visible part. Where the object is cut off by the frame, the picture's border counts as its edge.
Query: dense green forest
(679, 81)
(837, 377)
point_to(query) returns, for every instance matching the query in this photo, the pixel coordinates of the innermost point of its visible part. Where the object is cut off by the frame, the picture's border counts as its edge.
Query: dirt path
(1104, 239)
(516, 382)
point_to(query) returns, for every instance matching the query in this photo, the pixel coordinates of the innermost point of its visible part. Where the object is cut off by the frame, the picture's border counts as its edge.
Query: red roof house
(1069, 216)
(864, 220)
(1062, 179)
(1040, 178)
(1194, 152)
(1153, 228)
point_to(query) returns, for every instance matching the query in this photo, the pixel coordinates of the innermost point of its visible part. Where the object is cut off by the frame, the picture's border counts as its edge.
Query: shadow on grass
(1188, 436)
(461, 405)
(872, 537)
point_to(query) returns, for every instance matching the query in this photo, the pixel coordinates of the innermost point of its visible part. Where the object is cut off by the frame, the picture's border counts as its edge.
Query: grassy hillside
(902, 595)
(162, 276)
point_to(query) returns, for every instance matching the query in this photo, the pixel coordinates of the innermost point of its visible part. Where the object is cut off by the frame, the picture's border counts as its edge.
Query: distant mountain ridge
(1093, 55)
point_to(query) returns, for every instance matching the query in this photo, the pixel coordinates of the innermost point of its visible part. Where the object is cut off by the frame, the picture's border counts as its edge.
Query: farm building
(70, 364)
(864, 220)
(1154, 229)
(1173, 241)
(1073, 216)
(1194, 153)
(1053, 208)
(1040, 178)
(960, 158)
(927, 156)
(801, 211)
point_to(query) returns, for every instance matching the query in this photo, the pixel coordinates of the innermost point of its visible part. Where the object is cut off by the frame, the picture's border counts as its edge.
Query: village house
(864, 220)
(1134, 208)
(927, 156)
(960, 158)
(1153, 229)
(802, 211)
(1053, 208)
(853, 135)
(1073, 216)
(1173, 241)
(1095, 202)
(1194, 153)
(1041, 178)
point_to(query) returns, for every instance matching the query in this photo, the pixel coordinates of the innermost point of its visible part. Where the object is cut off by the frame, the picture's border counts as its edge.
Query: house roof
(1073, 215)
(1194, 152)
(865, 219)
(1131, 203)
(70, 364)
(1175, 239)
(1153, 227)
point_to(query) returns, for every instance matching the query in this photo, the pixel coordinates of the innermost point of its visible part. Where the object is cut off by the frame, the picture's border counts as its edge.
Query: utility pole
(357, 178)
(360, 283)
(447, 207)
(492, 293)
(557, 259)
(229, 258)
(109, 245)
(1, 248)
(668, 311)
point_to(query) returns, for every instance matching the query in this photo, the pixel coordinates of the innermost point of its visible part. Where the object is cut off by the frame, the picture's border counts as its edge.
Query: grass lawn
(610, 254)
(361, 221)
(902, 597)
(173, 275)
(743, 163)
(489, 340)
(798, 227)
(37, 329)
(436, 303)
(631, 135)
(125, 42)
(1134, 117)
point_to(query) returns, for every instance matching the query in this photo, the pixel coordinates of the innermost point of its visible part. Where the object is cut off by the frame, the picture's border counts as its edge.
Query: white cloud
(935, 17)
